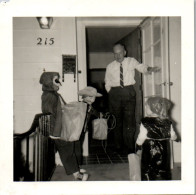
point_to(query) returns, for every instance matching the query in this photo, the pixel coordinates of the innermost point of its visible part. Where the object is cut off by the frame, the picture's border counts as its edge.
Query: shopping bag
(134, 167)
(73, 117)
(100, 129)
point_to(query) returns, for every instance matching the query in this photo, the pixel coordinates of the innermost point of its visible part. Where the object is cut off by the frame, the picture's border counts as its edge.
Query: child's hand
(139, 153)
(101, 115)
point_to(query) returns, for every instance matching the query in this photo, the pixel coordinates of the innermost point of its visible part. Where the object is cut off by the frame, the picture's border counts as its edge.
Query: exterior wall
(31, 59)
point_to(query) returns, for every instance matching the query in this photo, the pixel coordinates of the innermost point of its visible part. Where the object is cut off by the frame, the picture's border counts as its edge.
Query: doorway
(82, 23)
(99, 43)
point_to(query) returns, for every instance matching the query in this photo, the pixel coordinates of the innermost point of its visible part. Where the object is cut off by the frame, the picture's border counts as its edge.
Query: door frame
(81, 24)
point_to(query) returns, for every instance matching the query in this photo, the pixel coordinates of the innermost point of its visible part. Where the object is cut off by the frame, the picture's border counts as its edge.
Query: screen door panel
(154, 53)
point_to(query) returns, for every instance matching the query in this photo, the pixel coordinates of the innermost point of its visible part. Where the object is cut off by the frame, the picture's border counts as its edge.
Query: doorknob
(170, 83)
(79, 71)
(167, 83)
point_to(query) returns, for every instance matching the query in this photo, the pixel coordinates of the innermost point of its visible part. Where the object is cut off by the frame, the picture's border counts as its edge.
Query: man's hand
(153, 69)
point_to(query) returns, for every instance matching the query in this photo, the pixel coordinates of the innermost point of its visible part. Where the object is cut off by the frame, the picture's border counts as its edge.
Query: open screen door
(155, 53)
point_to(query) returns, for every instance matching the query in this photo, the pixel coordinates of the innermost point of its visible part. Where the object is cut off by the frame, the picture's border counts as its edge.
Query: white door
(155, 53)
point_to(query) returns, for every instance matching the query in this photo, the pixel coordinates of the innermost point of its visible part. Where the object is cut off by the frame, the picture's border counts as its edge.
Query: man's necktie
(121, 76)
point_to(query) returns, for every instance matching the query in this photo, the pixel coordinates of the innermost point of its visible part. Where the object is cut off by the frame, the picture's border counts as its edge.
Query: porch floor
(106, 166)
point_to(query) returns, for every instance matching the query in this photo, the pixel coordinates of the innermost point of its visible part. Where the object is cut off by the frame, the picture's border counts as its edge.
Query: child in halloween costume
(89, 95)
(154, 137)
(69, 151)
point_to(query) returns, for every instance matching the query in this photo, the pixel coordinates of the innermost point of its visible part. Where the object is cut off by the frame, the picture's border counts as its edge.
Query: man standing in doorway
(119, 81)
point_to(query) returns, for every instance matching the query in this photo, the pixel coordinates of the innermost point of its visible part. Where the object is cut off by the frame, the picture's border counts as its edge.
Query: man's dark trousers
(122, 103)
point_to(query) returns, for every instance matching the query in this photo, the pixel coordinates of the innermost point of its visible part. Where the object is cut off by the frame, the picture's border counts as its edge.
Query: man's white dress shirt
(112, 76)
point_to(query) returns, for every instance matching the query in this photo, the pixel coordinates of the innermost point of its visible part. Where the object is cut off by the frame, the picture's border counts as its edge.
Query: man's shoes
(80, 176)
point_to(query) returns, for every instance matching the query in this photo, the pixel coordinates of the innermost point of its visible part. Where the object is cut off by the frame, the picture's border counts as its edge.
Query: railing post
(27, 155)
(43, 150)
(34, 158)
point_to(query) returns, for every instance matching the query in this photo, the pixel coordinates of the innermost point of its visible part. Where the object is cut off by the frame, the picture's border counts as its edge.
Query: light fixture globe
(45, 22)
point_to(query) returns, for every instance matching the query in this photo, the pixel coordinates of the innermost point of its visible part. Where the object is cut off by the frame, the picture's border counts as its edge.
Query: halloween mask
(159, 106)
(50, 81)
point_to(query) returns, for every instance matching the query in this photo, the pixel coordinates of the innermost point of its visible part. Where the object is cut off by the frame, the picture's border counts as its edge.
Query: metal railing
(43, 151)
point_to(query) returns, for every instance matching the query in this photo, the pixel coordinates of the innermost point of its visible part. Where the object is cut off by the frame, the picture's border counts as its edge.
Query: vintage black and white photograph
(117, 119)
(98, 99)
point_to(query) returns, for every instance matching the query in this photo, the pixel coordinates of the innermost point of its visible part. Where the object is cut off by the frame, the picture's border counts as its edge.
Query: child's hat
(89, 91)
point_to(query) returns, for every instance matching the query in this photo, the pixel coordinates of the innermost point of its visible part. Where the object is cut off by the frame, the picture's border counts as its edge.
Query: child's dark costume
(156, 149)
(91, 114)
(51, 100)
(155, 134)
(69, 152)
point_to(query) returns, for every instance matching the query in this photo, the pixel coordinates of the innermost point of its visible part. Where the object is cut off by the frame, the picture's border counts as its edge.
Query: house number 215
(45, 42)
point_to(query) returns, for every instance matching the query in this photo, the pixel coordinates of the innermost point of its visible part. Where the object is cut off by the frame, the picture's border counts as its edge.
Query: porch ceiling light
(45, 22)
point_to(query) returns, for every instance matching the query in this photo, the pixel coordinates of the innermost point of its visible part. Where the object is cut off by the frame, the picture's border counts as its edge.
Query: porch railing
(42, 150)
